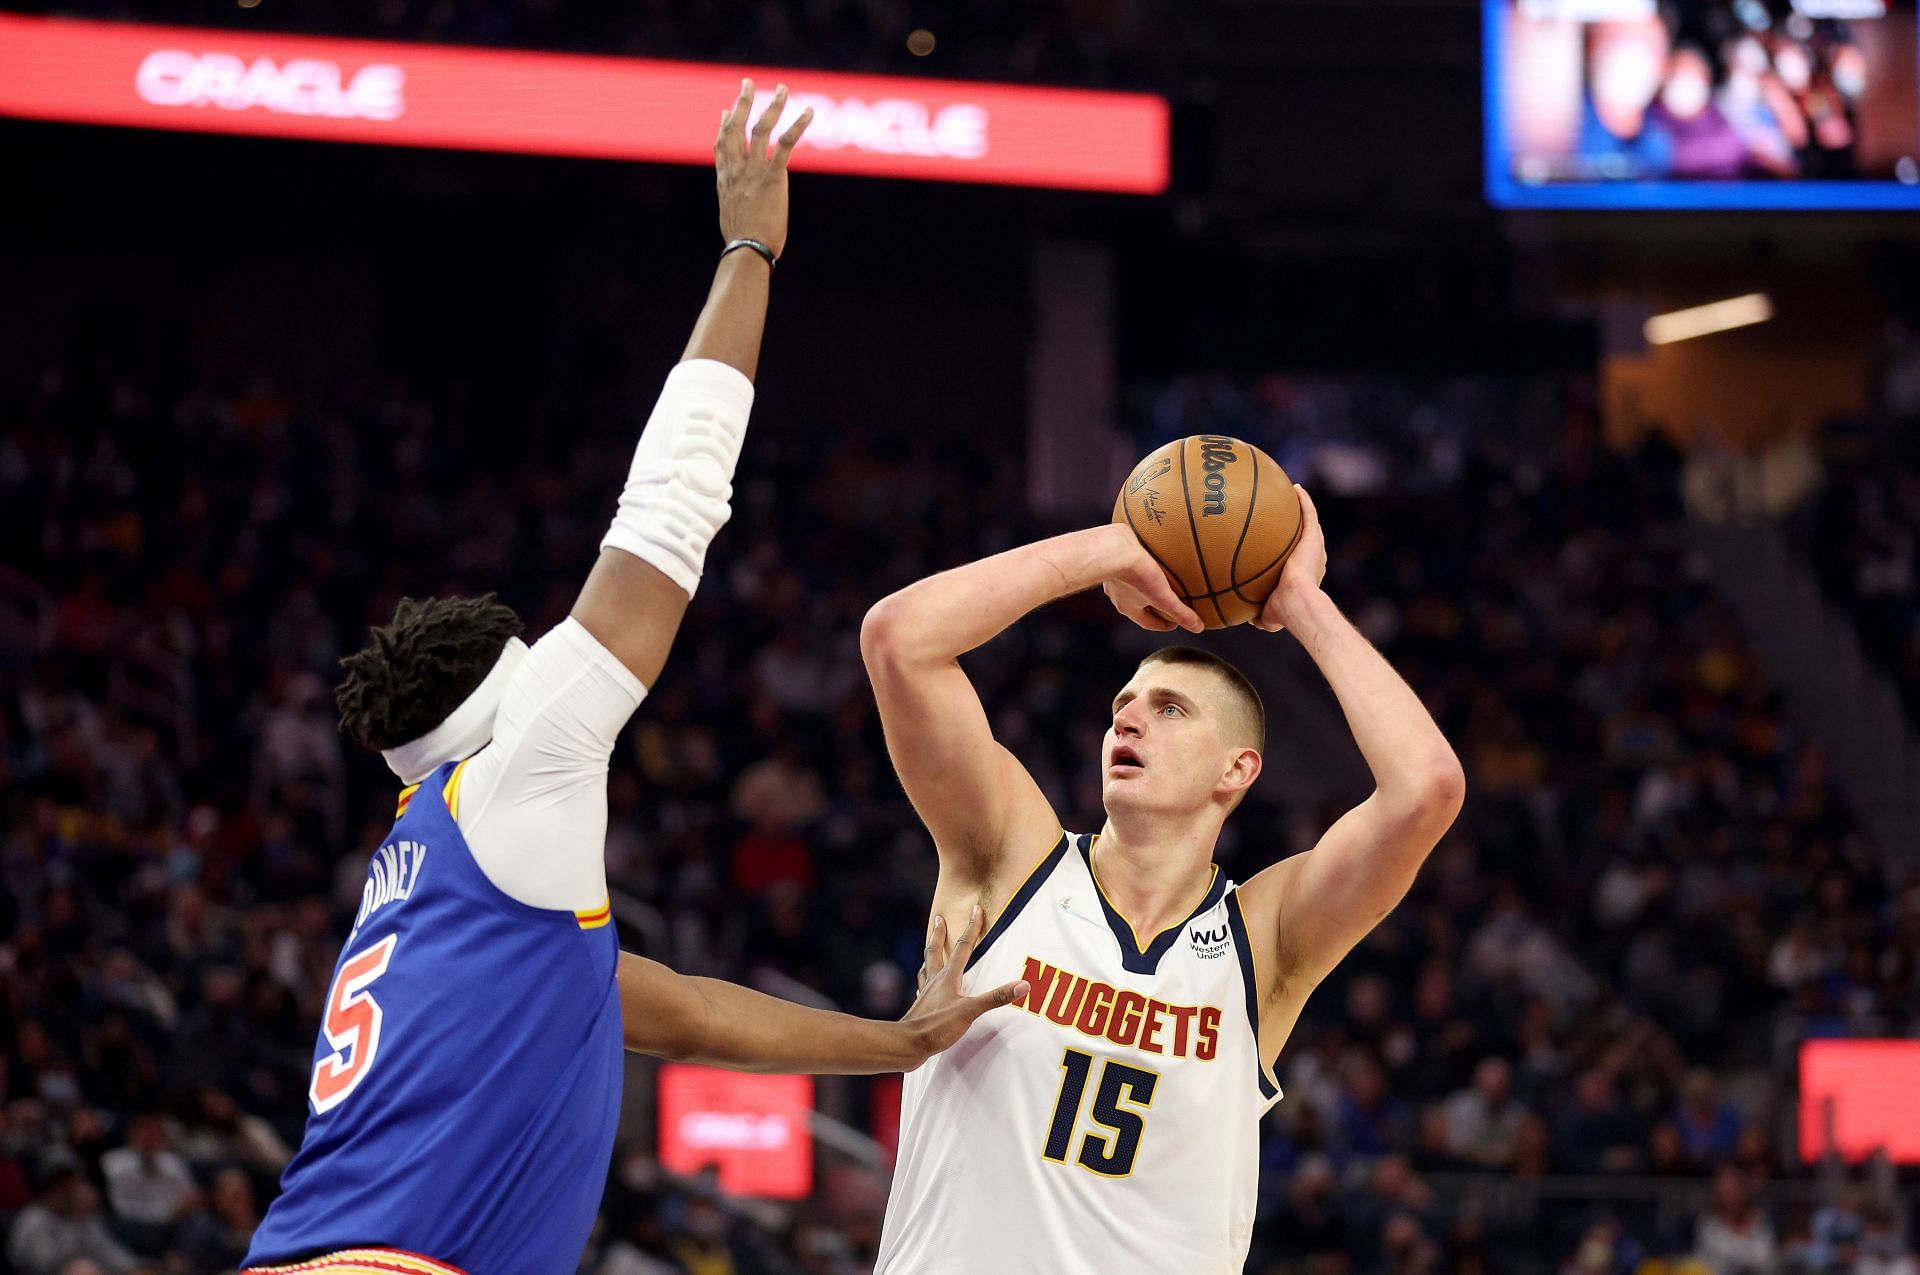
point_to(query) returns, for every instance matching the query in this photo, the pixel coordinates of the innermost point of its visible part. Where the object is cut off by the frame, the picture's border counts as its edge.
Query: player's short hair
(420, 665)
(1245, 699)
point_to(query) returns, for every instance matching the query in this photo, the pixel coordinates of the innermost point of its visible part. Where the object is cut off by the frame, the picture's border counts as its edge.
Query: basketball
(1220, 517)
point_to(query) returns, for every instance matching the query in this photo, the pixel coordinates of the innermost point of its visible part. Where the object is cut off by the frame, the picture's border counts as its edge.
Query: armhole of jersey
(1250, 979)
(1022, 896)
(587, 919)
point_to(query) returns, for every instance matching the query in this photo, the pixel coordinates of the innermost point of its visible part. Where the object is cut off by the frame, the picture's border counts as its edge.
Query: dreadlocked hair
(420, 665)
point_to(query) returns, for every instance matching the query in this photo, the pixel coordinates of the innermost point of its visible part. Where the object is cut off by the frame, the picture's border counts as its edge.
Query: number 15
(1108, 1154)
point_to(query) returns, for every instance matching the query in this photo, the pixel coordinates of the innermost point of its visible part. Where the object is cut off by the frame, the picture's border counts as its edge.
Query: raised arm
(1307, 912)
(677, 492)
(704, 1020)
(975, 797)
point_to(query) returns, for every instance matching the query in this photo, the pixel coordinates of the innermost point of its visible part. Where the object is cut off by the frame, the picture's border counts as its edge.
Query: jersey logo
(1066, 905)
(1209, 944)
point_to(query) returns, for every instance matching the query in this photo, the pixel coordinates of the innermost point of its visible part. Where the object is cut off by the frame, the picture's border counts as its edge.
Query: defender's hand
(1140, 590)
(942, 1015)
(752, 180)
(1304, 571)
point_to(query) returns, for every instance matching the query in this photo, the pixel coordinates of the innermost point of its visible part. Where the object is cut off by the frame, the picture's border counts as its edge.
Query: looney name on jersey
(1126, 1018)
(390, 878)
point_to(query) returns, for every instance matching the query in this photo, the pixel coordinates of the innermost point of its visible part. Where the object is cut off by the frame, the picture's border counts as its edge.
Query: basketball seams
(1253, 500)
(1299, 525)
(1278, 558)
(1199, 550)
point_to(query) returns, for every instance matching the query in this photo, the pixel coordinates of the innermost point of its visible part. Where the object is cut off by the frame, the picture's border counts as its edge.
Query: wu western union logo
(1126, 1018)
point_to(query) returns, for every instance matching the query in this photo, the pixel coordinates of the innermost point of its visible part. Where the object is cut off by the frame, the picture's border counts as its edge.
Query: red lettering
(1209, 1034)
(1038, 977)
(1124, 1025)
(1067, 995)
(1128, 1019)
(1093, 1015)
(1182, 1014)
(1151, 1026)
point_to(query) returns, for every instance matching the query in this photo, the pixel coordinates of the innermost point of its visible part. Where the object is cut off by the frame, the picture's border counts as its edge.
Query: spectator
(1599, 1134)
(147, 1183)
(1483, 1122)
(216, 1237)
(1734, 1237)
(1709, 1128)
(64, 1224)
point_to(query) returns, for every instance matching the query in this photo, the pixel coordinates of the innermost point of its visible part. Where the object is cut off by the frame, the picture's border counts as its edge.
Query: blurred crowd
(1055, 41)
(1863, 534)
(1711, 90)
(1654, 894)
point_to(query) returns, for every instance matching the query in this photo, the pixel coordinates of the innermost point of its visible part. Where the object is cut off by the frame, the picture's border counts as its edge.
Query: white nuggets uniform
(1109, 1122)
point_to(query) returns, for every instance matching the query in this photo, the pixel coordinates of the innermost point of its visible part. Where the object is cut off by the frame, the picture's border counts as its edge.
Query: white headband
(466, 729)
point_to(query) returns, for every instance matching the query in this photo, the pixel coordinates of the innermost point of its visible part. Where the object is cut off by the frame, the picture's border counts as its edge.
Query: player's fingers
(964, 948)
(1005, 994)
(1148, 618)
(1307, 512)
(783, 151)
(1170, 607)
(763, 127)
(734, 126)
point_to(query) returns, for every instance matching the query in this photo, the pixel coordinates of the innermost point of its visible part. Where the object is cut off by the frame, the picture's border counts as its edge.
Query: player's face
(1166, 747)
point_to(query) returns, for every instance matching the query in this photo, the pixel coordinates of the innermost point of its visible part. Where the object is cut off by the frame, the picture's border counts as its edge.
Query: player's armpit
(704, 1020)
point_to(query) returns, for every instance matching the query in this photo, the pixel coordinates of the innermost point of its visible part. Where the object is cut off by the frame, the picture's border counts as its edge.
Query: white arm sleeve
(533, 803)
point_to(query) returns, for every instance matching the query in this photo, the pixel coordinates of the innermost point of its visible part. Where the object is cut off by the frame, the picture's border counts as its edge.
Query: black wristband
(755, 245)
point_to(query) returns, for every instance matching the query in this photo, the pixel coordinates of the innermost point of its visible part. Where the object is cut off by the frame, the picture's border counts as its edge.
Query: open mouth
(1124, 758)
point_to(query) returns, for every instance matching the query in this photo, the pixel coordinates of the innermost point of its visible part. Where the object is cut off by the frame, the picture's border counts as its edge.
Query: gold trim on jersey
(452, 789)
(1139, 947)
(406, 799)
(596, 918)
(361, 1261)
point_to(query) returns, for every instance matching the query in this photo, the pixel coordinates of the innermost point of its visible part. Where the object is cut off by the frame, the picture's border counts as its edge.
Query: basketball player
(467, 1078)
(1109, 1123)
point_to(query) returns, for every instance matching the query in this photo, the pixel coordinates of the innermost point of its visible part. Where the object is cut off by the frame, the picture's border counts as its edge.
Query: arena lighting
(1866, 1088)
(1716, 316)
(399, 94)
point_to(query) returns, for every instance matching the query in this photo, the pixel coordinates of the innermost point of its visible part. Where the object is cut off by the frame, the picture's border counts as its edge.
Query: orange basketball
(1220, 516)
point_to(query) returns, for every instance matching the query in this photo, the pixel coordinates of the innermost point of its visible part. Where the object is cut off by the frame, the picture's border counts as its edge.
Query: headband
(466, 729)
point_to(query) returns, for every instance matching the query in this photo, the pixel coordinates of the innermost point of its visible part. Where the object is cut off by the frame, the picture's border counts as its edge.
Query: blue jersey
(467, 1078)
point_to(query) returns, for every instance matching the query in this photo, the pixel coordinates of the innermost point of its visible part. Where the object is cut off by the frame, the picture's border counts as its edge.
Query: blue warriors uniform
(467, 1078)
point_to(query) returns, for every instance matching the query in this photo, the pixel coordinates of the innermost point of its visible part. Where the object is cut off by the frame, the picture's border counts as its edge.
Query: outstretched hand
(942, 1014)
(753, 179)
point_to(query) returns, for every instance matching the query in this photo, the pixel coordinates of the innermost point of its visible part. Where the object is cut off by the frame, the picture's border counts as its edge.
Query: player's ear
(1243, 767)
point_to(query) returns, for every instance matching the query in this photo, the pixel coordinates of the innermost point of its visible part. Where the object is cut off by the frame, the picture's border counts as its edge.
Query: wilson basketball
(1220, 516)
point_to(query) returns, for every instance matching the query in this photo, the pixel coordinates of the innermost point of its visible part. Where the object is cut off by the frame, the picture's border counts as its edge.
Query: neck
(1155, 868)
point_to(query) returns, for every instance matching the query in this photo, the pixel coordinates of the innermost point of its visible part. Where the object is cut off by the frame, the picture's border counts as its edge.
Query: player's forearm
(944, 616)
(735, 316)
(1414, 768)
(749, 1031)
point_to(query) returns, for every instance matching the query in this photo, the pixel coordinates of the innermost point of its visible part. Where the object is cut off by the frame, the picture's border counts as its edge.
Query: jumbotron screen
(1702, 104)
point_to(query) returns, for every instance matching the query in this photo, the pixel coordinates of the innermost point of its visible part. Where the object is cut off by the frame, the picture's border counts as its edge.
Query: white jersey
(1109, 1122)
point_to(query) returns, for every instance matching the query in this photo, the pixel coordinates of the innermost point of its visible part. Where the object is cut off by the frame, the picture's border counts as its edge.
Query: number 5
(351, 1026)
